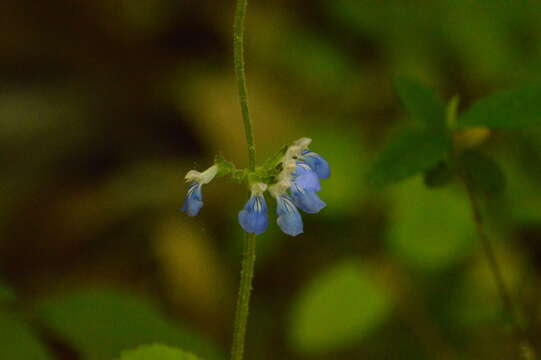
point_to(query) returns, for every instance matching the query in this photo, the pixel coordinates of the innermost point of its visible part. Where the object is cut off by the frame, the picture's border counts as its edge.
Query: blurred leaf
(506, 109)
(18, 341)
(451, 110)
(412, 152)
(430, 230)
(522, 194)
(483, 172)
(438, 176)
(341, 191)
(337, 309)
(157, 352)
(326, 67)
(421, 102)
(478, 37)
(101, 324)
(191, 273)
(477, 299)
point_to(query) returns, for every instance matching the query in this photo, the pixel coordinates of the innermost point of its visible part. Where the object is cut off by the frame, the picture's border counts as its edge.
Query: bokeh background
(106, 104)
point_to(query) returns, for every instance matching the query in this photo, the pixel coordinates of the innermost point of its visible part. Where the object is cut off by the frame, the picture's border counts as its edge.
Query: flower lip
(254, 217)
(306, 200)
(194, 200)
(289, 219)
(317, 163)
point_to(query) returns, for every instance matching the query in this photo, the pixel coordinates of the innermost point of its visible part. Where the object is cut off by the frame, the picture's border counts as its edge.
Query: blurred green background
(106, 104)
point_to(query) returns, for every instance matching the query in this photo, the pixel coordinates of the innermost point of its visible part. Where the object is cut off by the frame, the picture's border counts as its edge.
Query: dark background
(106, 104)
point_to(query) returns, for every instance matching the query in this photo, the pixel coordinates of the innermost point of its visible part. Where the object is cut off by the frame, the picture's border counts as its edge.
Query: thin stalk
(248, 257)
(526, 350)
(243, 300)
(488, 250)
(238, 58)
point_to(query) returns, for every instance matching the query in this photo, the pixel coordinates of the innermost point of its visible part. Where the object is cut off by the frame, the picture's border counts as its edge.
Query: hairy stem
(248, 257)
(243, 300)
(238, 57)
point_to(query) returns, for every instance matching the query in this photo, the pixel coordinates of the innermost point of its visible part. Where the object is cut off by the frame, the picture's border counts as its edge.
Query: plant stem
(526, 345)
(489, 252)
(243, 300)
(248, 257)
(238, 57)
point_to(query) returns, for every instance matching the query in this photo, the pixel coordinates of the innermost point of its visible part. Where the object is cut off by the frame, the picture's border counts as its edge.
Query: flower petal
(317, 163)
(194, 199)
(306, 200)
(254, 217)
(305, 177)
(289, 218)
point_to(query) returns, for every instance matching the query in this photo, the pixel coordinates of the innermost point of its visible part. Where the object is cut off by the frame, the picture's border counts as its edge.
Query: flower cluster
(294, 182)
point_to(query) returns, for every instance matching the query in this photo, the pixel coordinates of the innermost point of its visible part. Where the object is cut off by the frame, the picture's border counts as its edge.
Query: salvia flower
(293, 179)
(254, 218)
(289, 219)
(194, 198)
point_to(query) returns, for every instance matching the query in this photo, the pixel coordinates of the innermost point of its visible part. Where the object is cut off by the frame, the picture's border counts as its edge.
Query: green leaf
(102, 323)
(483, 172)
(506, 109)
(412, 152)
(421, 102)
(438, 176)
(18, 341)
(337, 309)
(431, 230)
(157, 352)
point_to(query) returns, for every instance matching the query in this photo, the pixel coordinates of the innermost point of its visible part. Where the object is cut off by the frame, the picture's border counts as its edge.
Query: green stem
(248, 257)
(243, 300)
(489, 252)
(238, 57)
(505, 295)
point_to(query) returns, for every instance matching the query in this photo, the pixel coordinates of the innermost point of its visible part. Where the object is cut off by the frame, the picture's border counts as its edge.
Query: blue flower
(317, 163)
(306, 200)
(254, 218)
(289, 218)
(305, 177)
(194, 199)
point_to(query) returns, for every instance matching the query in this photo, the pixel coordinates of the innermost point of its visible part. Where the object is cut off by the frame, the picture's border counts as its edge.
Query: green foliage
(411, 152)
(483, 172)
(157, 352)
(423, 105)
(337, 309)
(506, 109)
(417, 149)
(18, 341)
(430, 230)
(101, 324)
(438, 176)
(341, 192)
